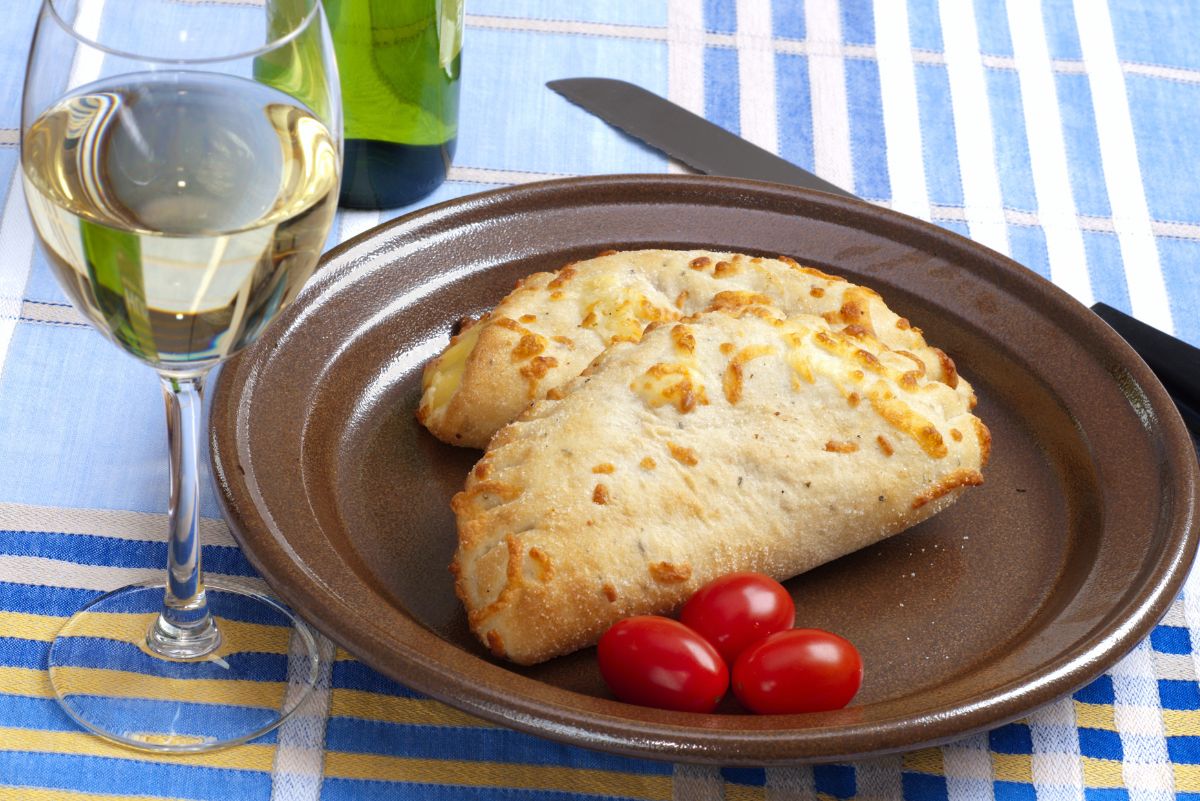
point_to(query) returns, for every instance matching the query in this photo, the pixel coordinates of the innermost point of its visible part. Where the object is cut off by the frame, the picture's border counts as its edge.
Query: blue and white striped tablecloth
(1065, 133)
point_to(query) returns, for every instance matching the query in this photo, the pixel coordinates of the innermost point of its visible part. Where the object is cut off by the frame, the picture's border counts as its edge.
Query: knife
(683, 135)
(711, 149)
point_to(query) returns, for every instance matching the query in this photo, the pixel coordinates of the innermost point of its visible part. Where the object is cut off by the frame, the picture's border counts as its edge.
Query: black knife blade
(683, 135)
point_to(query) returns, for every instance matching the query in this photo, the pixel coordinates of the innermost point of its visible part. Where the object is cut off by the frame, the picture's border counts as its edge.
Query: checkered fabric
(1056, 131)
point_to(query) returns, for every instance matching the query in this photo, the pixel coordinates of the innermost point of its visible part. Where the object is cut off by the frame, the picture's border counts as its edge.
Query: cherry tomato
(737, 610)
(656, 661)
(799, 670)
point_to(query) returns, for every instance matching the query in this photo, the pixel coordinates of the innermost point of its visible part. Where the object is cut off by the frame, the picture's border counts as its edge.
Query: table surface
(1056, 131)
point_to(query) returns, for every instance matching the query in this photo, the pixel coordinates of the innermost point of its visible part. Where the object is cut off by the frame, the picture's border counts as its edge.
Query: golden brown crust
(553, 325)
(787, 476)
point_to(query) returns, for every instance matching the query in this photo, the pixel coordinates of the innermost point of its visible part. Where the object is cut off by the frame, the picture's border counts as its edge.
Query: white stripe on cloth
(827, 79)
(696, 783)
(486, 175)
(879, 779)
(1122, 173)
(103, 523)
(16, 258)
(790, 784)
(299, 767)
(38, 571)
(1146, 766)
(685, 60)
(756, 74)
(9, 137)
(967, 764)
(1056, 766)
(354, 223)
(973, 133)
(901, 124)
(1047, 150)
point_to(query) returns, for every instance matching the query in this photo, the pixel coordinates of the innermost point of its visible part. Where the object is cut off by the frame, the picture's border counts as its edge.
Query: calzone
(548, 329)
(742, 438)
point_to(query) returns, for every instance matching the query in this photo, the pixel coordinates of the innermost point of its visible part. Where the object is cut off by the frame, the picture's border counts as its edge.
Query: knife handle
(1175, 362)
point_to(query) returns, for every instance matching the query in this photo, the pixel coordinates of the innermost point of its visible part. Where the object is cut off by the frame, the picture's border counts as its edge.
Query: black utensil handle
(1175, 362)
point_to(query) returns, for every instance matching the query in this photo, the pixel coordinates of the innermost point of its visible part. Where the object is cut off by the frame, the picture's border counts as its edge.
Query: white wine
(181, 210)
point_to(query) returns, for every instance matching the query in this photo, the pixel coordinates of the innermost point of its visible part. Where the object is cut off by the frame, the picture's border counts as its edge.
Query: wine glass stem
(184, 628)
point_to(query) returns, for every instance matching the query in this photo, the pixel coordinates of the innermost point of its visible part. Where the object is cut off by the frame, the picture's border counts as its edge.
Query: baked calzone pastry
(548, 329)
(737, 439)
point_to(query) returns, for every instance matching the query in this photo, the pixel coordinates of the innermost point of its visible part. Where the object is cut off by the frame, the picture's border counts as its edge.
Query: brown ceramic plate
(1027, 588)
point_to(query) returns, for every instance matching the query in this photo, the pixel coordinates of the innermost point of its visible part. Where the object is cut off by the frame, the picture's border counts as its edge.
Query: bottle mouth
(86, 26)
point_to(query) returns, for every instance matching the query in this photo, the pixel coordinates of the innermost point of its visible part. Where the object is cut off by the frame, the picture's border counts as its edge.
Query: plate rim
(669, 737)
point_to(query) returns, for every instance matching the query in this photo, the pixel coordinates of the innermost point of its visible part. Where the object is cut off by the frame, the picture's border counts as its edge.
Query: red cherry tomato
(737, 610)
(799, 670)
(656, 661)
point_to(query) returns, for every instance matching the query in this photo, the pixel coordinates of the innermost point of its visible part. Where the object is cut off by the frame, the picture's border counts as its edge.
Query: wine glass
(181, 164)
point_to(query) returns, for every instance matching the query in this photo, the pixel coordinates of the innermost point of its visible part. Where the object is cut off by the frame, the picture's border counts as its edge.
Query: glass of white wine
(181, 163)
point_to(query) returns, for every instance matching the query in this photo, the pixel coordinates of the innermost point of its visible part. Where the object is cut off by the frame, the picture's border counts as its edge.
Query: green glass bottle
(399, 63)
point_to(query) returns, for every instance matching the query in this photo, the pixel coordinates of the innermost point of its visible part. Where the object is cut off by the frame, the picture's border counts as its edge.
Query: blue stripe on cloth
(1062, 36)
(795, 109)
(1187, 796)
(858, 22)
(991, 20)
(472, 743)
(1013, 791)
(1107, 269)
(1082, 145)
(1157, 33)
(335, 789)
(650, 14)
(17, 652)
(132, 776)
(64, 602)
(240, 28)
(23, 712)
(495, 114)
(96, 395)
(1171, 640)
(1184, 748)
(836, 780)
(868, 143)
(354, 675)
(115, 552)
(1178, 694)
(1100, 744)
(1179, 258)
(957, 226)
(1099, 691)
(15, 36)
(721, 88)
(96, 652)
(925, 26)
(720, 16)
(1015, 738)
(1105, 794)
(939, 148)
(41, 285)
(751, 777)
(1166, 142)
(787, 21)
(1028, 246)
(1012, 143)
(924, 786)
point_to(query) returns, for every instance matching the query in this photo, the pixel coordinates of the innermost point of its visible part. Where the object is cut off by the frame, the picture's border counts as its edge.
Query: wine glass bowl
(181, 165)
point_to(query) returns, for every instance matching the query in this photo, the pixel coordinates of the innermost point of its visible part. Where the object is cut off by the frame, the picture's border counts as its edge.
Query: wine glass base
(108, 680)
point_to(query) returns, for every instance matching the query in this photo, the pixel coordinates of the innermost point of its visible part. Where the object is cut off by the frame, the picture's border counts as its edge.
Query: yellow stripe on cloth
(744, 792)
(927, 760)
(112, 625)
(373, 767)
(117, 683)
(1095, 716)
(40, 794)
(1013, 767)
(394, 709)
(1181, 722)
(1102, 773)
(242, 757)
(1187, 778)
